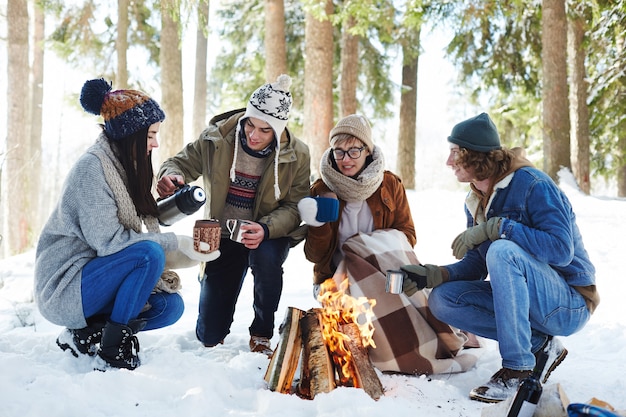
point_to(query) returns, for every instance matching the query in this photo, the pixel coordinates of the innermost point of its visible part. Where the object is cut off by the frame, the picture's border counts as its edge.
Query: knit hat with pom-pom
(124, 111)
(270, 103)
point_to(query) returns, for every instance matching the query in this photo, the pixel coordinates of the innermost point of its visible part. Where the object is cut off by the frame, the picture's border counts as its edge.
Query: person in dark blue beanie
(522, 235)
(478, 134)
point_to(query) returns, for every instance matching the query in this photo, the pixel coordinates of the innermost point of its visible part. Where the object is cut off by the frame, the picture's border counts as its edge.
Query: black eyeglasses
(353, 153)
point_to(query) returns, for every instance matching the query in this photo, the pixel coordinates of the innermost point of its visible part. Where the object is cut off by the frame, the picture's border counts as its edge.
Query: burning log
(317, 372)
(364, 374)
(323, 365)
(284, 362)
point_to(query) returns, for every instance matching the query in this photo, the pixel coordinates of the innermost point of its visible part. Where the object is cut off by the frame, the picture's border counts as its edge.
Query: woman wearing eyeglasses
(370, 198)
(373, 231)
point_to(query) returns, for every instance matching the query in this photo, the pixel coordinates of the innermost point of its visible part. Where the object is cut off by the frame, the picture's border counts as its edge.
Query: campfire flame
(338, 308)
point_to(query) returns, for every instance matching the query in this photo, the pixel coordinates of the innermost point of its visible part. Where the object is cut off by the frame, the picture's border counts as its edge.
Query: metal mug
(234, 227)
(395, 279)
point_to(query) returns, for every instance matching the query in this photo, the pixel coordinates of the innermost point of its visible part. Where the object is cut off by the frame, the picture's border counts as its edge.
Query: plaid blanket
(409, 339)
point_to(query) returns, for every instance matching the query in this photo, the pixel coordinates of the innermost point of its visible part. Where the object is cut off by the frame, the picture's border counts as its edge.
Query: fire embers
(328, 344)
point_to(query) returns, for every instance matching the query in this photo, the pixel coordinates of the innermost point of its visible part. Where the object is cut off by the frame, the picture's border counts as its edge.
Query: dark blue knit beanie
(124, 111)
(478, 134)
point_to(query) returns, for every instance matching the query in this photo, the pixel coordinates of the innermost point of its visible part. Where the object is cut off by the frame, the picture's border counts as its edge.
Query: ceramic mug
(206, 236)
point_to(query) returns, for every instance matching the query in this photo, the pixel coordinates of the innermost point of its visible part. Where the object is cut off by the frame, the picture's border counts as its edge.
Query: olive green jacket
(211, 156)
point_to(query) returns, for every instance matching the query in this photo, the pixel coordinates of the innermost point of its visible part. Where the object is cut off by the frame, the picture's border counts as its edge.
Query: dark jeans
(222, 283)
(119, 285)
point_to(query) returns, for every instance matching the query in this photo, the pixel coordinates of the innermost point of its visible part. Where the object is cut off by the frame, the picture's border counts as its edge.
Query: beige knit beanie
(353, 125)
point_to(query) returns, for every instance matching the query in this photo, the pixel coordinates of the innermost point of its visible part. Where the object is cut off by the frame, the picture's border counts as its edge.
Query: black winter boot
(83, 340)
(119, 346)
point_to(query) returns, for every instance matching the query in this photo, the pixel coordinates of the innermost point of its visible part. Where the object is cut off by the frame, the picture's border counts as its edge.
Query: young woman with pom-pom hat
(97, 272)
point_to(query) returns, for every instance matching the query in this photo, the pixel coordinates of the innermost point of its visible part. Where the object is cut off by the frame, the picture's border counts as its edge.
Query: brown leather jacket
(389, 207)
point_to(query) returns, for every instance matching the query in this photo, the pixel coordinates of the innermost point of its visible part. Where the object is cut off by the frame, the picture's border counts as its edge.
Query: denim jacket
(538, 217)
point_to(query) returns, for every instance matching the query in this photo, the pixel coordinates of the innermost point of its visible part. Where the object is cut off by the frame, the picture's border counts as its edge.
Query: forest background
(551, 73)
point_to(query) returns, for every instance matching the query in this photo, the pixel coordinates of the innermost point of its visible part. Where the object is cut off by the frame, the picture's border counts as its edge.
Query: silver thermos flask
(185, 201)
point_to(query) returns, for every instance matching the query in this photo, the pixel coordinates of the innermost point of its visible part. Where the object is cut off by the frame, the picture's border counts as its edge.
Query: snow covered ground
(179, 376)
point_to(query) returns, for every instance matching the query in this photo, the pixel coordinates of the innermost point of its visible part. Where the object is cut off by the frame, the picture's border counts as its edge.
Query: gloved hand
(315, 211)
(474, 236)
(186, 256)
(420, 277)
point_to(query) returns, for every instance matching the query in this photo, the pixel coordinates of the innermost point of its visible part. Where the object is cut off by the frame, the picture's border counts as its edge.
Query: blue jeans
(221, 285)
(118, 286)
(523, 302)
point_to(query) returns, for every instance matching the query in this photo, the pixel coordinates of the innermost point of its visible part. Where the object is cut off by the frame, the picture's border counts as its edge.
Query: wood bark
(620, 131)
(36, 116)
(18, 152)
(282, 368)
(275, 42)
(365, 375)
(318, 86)
(408, 116)
(349, 70)
(556, 124)
(317, 374)
(200, 77)
(121, 47)
(579, 111)
(170, 57)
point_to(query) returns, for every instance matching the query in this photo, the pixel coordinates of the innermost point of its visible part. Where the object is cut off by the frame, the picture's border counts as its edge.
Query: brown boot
(260, 344)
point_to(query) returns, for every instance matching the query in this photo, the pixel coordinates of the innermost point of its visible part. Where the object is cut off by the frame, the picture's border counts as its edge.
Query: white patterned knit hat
(270, 103)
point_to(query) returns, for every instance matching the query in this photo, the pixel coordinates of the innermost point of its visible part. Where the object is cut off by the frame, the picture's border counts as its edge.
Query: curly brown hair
(492, 164)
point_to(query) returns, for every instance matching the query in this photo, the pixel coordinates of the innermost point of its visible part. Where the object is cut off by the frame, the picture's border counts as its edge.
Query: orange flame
(339, 307)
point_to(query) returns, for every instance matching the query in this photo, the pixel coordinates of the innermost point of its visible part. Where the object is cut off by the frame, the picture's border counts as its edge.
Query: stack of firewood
(302, 345)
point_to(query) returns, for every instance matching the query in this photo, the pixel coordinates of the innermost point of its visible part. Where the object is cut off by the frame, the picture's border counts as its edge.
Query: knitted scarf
(353, 189)
(115, 176)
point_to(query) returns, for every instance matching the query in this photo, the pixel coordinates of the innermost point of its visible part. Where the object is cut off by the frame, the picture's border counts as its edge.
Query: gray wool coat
(83, 225)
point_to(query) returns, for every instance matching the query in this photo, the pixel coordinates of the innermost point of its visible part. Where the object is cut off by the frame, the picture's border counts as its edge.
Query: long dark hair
(132, 153)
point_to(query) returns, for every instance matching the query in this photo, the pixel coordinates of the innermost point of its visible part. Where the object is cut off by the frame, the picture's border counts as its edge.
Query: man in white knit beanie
(254, 169)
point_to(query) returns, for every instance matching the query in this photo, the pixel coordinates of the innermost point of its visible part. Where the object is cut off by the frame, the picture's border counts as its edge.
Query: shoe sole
(66, 347)
(476, 397)
(555, 363)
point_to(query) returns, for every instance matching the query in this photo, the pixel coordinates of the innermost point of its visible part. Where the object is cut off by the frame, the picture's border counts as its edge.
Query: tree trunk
(349, 70)
(408, 116)
(556, 124)
(171, 134)
(318, 86)
(18, 178)
(275, 41)
(579, 112)
(620, 132)
(37, 116)
(200, 84)
(121, 47)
